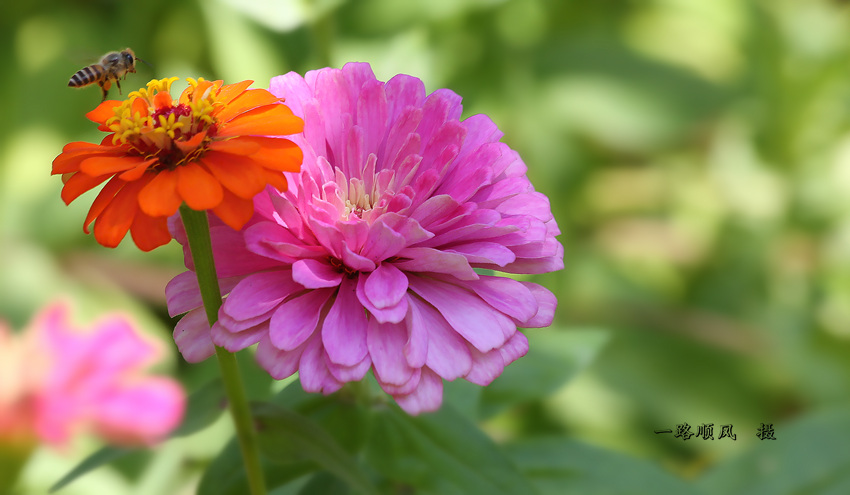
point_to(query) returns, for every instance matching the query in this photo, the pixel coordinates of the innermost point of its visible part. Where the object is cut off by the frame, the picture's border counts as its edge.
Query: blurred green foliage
(697, 157)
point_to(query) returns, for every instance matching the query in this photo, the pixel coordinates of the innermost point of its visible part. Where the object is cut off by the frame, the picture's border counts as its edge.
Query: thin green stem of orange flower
(198, 233)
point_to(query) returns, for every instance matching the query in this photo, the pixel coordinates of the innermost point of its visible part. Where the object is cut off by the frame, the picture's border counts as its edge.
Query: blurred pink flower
(367, 261)
(59, 380)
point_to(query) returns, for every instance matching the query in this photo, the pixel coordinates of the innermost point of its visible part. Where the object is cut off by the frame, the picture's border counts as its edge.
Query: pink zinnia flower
(367, 262)
(59, 380)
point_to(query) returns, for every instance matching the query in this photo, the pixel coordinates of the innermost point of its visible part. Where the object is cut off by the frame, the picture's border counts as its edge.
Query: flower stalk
(198, 234)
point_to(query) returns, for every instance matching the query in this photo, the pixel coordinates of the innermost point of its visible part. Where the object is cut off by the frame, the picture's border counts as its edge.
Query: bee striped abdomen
(86, 76)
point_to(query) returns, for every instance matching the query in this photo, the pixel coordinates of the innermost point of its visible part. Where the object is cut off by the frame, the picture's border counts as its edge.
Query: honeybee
(112, 67)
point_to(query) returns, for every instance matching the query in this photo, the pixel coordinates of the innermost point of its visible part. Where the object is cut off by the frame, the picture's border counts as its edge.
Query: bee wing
(111, 60)
(83, 57)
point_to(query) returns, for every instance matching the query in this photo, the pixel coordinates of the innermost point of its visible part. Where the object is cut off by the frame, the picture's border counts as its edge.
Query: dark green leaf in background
(560, 466)
(287, 436)
(554, 357)
(810, 455)
(441, 453)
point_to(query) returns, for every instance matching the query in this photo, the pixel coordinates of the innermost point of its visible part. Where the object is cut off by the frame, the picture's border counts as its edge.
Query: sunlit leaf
(102, 457)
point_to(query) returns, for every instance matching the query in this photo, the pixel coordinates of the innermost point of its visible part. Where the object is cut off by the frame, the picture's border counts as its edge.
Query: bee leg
(118, 83)
(105, 88)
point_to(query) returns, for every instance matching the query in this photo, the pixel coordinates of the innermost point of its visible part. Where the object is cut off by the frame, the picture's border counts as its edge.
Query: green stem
(198, 233)
(13, 458)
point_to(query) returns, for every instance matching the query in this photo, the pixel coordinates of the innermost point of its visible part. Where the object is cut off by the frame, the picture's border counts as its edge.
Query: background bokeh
(697, 157)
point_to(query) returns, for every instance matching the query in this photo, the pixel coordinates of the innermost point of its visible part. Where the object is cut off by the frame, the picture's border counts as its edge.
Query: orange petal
(162, 100)
(234, 211)
(136, 172)
(274, 119)
(197, 187)
(277, 154)
(193, 94)
(78, 145)
(69, 161)
(149, 232)
(79, 183)
(103, 112)
(248, 100)
(237, 173)
(112, 225)
(190, 145)
(240, 145)
(102, 165)
(103, 198)
(275, 179)
(140, 106)
(230, 91)
(159, 197)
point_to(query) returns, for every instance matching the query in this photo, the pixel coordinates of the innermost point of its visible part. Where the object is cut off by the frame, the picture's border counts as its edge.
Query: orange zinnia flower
(214, 148)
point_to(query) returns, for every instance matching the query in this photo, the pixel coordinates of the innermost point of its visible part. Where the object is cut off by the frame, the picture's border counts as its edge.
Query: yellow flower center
(155, 125)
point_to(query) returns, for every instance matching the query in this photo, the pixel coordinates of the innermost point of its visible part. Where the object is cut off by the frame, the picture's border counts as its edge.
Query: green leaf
(226, 473)
(256, 380)
(287, 436)
(203, 407)
(324, 483)
(559, 466)
(103, 456)
(441, 453)
(554, 357)
(809, 455)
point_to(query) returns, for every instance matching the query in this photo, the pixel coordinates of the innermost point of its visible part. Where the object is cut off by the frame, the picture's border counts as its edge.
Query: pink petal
(259, 293)
(477, 322)
(192, 336)
(485, 367)
(447, 353)
(295, 320)
(314, 373)
(226, 322)
(392, 314)
(372, 111)
(515, 348)
(383, 242)
(385, 286)
(269, 240)
(235, 342)
(404, 91)
(546, 303)
(406, 387)
(386, 347)
(507, 295)
(436, 261)
(182, 294)
(344, 328)
(279, 364)
(427, 397)
(484, 252)
(315, 274)
(143, 412)
(353, 373)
